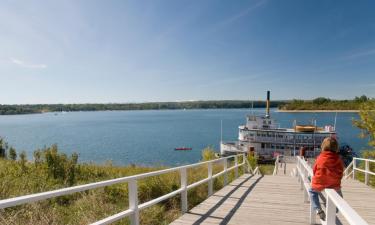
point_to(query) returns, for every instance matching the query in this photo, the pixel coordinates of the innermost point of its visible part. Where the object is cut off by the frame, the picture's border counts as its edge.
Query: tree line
(322, 103)
(40, 108)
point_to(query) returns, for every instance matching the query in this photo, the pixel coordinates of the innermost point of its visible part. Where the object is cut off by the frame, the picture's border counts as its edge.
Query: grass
(54, 170)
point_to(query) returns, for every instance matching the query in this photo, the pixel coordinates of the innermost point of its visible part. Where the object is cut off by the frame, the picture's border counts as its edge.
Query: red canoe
(183, 149)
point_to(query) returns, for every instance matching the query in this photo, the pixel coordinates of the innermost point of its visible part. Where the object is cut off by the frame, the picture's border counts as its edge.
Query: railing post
(225, 172)
(184, 201)
(367, 169)
(133, 202)
(236, 164)
(243, 163)
(331, 212)
(305, 196)
(210, 183)
(302, 178)
(354, 166)
(312, 214)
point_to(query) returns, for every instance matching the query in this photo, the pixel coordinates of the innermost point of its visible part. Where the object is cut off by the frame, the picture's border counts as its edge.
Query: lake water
(148, 137)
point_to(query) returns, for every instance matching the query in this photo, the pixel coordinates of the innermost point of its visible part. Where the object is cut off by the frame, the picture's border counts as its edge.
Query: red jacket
(328, 171)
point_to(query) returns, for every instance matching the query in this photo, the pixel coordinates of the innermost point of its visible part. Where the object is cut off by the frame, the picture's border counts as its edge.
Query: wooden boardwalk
(361, 198)
(255, 199)
(252, 200)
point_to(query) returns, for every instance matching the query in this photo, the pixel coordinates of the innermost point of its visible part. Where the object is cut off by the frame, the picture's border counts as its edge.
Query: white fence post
(354, 167)
(133, 202)
(367, 169)
(302, 178)
(236, 164)
(210, 183)
(243, 163)
(305, 196)
(225, 172)
(184, 201)
(312, 214)
(331, 212)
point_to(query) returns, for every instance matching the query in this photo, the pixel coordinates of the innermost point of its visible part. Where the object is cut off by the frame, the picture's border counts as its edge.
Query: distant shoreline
(317, 111)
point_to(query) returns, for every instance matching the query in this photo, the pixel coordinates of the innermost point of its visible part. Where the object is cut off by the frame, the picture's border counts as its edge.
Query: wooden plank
(271, 200)
(252, 200)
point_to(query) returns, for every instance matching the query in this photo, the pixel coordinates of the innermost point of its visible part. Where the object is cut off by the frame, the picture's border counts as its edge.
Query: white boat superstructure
(261, 135)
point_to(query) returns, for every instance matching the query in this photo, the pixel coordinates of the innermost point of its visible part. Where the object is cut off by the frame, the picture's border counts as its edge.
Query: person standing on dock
(328, 171)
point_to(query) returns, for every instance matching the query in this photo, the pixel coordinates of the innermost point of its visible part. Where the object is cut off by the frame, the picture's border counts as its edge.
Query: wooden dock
(256, 199)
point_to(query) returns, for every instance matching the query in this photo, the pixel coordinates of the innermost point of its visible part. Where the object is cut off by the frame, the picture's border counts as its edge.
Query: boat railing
(134, 206)
(282, 140)
(333, 200)
(359, 165)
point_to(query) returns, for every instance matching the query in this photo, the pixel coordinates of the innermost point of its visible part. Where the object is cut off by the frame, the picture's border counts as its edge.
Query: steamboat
(262, 136)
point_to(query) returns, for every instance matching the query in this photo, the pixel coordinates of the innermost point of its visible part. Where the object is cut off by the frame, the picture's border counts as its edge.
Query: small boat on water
(183, 149)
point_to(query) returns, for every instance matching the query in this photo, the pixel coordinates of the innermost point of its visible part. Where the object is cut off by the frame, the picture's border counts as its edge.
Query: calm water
(147, 137)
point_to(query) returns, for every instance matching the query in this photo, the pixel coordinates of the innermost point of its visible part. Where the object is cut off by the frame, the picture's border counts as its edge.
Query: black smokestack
(268, 104)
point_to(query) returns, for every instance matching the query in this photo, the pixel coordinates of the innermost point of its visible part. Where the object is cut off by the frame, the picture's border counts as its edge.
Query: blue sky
(141, 51)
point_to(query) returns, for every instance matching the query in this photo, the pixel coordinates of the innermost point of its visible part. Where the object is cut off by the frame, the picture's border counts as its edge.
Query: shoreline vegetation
(323, 104)
(317, 111)
(320, 104)
(222, 104)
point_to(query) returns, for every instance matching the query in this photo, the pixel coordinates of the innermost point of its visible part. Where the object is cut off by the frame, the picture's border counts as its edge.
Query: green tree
(12, 153)
(367, 121)
(363, 98)
(321, 100)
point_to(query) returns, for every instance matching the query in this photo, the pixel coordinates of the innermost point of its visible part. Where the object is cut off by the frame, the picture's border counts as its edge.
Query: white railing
(280, 162)
(134, 207)
(304, 173)
(353, 167)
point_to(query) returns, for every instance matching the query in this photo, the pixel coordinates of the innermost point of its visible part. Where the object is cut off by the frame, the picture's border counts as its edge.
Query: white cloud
(238, 16)
(367, 52)
(27, 65)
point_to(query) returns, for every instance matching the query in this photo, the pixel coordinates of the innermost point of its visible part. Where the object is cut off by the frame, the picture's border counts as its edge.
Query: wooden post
(236, 164)
(210, 182)
(225, 172)
(133, 202)
(184, 201)
(367, 169)
(244, 163)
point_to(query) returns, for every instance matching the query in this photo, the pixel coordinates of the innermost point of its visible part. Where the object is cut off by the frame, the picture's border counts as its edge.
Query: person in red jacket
(328, 171)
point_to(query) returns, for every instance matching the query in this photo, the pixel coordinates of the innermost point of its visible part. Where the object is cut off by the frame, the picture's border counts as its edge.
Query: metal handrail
(134, 207)
(304, 172)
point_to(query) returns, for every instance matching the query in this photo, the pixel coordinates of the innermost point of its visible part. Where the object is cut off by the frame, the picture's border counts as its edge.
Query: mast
(252, 108)
(268, 105)
(334, 125)
(221, 131)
